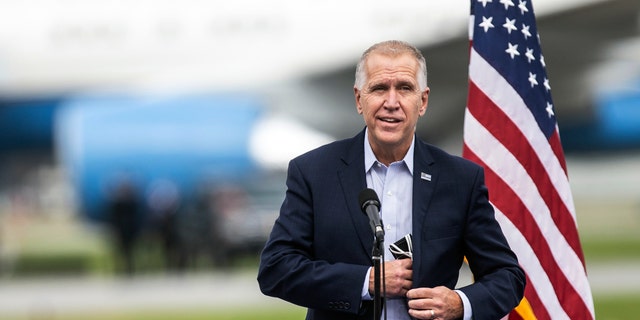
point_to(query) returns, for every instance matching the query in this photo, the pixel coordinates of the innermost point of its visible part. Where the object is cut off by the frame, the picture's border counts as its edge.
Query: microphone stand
(377, 257)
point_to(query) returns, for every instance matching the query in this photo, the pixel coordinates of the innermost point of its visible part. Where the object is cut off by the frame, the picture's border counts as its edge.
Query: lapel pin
(425, 176)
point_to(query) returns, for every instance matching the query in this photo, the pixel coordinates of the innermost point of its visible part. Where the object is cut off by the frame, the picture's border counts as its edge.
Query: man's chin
(389, 140)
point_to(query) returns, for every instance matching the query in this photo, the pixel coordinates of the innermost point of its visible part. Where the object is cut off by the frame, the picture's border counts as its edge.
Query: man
(319, 251)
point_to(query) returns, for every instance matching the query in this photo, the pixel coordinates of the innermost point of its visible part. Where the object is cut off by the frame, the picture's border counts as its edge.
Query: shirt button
(388, 227)
(389, 193)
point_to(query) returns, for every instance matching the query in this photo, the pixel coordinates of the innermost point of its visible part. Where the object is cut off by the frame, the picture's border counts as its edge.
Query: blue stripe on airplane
(187, 139)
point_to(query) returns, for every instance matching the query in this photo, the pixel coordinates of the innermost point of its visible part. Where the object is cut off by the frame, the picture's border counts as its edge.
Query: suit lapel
(425, 180)
(352, 181)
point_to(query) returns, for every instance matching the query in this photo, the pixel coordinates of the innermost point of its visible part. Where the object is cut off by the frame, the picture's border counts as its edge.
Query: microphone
(370, 205)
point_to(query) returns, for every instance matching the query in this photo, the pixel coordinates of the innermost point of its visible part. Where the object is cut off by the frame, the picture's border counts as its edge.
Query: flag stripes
(536, 277)
(537, 248)
(499, 125)
(510, 130)
(500, 92)
(504, 121)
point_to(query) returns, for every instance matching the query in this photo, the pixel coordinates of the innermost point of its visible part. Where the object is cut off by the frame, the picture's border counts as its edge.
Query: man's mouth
(389, 120)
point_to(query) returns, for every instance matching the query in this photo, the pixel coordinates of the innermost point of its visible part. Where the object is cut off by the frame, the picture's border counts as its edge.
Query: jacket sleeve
(295, 268)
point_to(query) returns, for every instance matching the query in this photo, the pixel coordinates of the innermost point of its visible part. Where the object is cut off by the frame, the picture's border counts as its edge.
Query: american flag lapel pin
(425, 176)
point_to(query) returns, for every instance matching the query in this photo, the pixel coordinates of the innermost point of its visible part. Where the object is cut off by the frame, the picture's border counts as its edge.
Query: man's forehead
(404, 57)
(386, 62)
(387, 68)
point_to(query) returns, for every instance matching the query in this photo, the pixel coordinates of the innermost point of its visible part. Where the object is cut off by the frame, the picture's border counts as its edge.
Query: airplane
(189, 139)
(188, 90)
(297, 55)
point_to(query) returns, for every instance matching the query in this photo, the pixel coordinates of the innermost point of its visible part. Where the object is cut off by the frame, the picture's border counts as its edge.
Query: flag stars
(486, 23)
(523, 7)
(512, 50)
(484, 2)
(529, 55)
(546, 84)
(550, 110)
(507, 4)
(544, 65)
(510, 25)
(532, 80)
(525, 31)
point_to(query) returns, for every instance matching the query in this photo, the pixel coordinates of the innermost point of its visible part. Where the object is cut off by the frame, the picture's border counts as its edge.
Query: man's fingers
(444, 302)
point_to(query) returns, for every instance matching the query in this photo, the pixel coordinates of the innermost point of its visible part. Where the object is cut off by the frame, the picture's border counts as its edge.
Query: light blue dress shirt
(394, 186)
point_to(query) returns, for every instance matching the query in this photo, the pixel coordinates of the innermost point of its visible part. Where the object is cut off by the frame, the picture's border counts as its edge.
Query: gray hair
(394, 48)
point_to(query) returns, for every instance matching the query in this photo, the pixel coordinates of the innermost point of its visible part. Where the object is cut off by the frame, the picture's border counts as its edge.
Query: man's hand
(434, 303)
(398, 275)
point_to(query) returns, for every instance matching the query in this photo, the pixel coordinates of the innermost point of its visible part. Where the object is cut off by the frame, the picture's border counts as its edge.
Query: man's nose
(392, 100)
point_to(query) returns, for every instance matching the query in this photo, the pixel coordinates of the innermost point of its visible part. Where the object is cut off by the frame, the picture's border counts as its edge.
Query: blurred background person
(165, 204)
(125, 219)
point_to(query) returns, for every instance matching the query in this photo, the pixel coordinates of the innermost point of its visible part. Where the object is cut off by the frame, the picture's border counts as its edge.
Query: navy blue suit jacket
(320, 247)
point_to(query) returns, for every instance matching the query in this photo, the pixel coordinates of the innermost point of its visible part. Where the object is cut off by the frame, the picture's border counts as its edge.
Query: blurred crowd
(209, 226)
(216, 223)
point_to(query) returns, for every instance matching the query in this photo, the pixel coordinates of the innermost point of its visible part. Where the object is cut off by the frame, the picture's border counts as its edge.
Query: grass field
(617, 307)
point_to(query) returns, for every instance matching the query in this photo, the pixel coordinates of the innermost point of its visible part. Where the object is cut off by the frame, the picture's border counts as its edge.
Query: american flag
(510, 129)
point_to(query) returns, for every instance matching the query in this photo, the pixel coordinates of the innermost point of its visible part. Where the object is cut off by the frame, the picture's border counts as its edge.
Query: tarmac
(70, 295)
(216, 290)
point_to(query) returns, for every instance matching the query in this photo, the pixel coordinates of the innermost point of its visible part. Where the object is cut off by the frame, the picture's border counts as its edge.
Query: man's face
(391, 101)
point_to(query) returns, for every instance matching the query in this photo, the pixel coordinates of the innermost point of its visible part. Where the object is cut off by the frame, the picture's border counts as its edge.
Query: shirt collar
(370, 158)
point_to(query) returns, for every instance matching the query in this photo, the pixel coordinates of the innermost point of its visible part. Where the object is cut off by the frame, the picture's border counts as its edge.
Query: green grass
(617, 307)
(611, 248)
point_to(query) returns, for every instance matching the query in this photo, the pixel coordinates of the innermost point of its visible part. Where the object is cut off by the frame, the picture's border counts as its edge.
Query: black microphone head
(368, 197)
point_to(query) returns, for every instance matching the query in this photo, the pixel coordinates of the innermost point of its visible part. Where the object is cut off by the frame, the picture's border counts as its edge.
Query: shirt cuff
(466, 305)
(365, 287)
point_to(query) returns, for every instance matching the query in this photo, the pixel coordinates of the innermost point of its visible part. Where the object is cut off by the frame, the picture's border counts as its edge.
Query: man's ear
(356, 94)
(425, 101)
